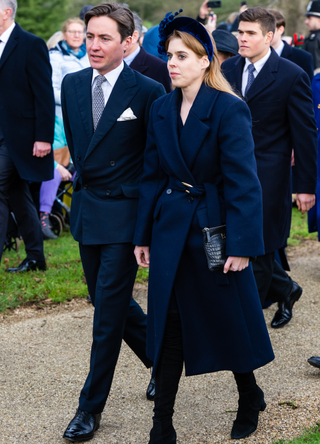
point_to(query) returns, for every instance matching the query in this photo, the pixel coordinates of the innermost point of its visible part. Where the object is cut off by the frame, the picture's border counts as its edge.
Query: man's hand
(41, 149)
(204, 10)
(235, 264)
(305, 201)
(142, 255)
(64, 173)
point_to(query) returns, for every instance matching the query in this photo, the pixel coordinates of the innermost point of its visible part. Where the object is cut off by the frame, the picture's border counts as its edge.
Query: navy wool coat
(280, 101)
(222, 322)
(27, 103)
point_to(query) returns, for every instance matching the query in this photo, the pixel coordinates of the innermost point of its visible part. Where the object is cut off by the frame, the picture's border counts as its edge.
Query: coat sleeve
(304, 134)
(39, 75)
(151, 186)
(242, 189)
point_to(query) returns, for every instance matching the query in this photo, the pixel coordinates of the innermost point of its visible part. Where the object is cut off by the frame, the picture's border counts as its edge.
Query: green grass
(63, 280)
(311, 436)
(299, 228)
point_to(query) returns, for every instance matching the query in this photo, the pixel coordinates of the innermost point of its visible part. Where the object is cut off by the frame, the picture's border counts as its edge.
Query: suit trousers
(271, 279)
(110, 272)
(15, 192)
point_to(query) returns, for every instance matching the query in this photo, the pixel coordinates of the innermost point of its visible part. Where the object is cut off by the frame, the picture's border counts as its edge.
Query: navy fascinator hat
(184, 24)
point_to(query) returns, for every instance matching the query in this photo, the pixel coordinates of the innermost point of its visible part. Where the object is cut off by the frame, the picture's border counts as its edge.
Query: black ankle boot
(250, 404)
(162, 432)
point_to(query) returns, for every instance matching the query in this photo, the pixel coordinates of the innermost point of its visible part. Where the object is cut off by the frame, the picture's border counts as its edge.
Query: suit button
(78, 157)
(85, 187)
(190, 199)
(112, 163)
(108, 192)
(169, 191)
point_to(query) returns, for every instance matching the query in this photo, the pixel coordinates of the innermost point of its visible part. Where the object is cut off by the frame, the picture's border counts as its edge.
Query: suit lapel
(287, 51)
(139, 62)
(83, 92)
(11, 44)
(122, 93)
(265, 76)
(236, 74)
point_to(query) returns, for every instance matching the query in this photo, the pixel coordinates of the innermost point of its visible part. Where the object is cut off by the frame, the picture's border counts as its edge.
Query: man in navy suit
(26, 130)
(106, 112)
(139, 60)
(298, 56)
(279, 96)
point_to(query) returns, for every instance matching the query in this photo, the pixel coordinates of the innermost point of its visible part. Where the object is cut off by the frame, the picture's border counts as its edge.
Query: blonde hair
(68, 22)
(213, 76)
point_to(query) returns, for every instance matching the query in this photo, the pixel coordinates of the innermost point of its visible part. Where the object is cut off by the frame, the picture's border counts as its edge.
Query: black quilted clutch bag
(214, 242)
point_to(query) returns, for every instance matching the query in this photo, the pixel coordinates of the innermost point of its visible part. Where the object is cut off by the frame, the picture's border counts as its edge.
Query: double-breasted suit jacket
(27, 103)
(222, 323)
(280, 101)
(109, 160)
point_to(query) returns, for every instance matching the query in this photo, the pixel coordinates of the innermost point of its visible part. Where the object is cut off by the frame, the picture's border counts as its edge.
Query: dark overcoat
(152, 67)
(299, 57)
(280, 101)
(27, 103)
(222, 321)
(108, 161)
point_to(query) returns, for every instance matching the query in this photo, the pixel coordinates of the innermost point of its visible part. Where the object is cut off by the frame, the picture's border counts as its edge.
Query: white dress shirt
(280, 48)
(107, 86)
(130, 58)
(4, 37)
(258, 67)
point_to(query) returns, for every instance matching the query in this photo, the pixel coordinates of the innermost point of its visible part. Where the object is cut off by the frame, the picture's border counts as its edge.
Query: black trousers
(15, 191)
(168, 375)
(110, 272)
(271, 279)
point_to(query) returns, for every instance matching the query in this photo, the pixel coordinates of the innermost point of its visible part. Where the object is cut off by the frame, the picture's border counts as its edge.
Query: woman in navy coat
(200, 171)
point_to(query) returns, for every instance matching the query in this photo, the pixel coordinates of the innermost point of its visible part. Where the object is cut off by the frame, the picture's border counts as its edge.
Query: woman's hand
(142, 255)
(235, 264)
(64, 173)
(204, 10)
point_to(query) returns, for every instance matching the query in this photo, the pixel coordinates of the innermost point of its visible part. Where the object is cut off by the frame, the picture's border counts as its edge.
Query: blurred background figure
(150, 42)
(144, 30)
(312, 42)
(138, 59)
(54, 39)
(69, 55)
(226, 43)
(84, 10)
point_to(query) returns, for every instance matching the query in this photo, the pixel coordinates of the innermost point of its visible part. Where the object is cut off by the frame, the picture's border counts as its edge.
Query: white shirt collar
(280, 48)
(130, 58)
(4, 37)
(259, 64)
(111, 76)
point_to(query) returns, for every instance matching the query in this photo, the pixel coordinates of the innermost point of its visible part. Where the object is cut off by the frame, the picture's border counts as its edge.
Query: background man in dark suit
(26, 130)
(279, 96)
(299, 57)
(106, 112)
(312, 42)
(139, 60)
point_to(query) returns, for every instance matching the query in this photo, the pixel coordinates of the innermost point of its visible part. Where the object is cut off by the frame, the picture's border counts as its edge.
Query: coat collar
(122, 93)
(265, 76)
(166, 129)
(287, 50)
(11, 44)
(140, 61)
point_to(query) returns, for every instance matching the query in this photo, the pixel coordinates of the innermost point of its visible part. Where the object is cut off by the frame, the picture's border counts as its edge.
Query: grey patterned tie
(251, 68)
(97, 100)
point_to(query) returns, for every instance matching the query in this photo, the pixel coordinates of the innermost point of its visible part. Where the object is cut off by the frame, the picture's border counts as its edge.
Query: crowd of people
(170, 136)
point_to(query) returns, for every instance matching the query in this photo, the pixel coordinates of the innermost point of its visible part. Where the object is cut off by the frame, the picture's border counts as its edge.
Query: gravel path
(44, 361)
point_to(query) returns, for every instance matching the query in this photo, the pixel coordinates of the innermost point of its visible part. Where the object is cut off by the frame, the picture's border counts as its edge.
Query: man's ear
(269, 37)
(281, 29)
(135, 37)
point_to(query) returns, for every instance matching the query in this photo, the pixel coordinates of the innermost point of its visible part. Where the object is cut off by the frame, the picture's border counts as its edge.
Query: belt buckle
(187, 185)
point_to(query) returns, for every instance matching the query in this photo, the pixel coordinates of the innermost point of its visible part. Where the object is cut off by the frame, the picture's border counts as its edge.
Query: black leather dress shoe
(151, 390)
(284, 313)
(28, 265)
(82, 426)
(314, 361)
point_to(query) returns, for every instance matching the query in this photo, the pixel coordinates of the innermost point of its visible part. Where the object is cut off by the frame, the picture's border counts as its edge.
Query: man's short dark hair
(280, 20)
(259, 15)
(119, 13)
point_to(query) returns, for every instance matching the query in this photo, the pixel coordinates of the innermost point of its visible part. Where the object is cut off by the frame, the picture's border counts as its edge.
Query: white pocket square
(127, 115)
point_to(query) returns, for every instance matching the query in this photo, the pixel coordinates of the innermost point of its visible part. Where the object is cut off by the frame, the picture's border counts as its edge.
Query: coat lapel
(122, 93)
(287, 51)
(265, 76)
(11, 44)
(83, 92)
(139, 62)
